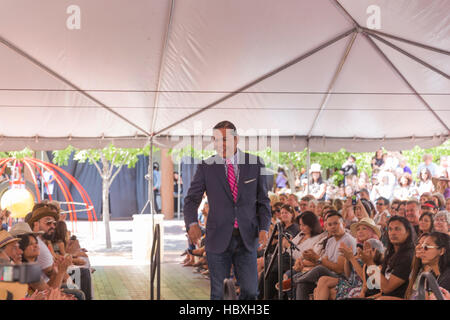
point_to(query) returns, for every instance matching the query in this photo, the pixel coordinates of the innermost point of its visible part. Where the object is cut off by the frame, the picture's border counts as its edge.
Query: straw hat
(365, 222)
(21, 228)
(315, 167)
(6, 238)
(42, 212)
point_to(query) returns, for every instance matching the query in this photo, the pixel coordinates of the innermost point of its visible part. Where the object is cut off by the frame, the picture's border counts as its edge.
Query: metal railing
(155, 264)
(428, 283)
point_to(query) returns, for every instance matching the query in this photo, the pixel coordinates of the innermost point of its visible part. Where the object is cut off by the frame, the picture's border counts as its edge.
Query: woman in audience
(441, 222)
(432, 255)
(291, 229)
(405, 189)
(399, 254)
(61, 240)
(377, 160)
(372, 256)
(425, 223)
(439, 200)
(425, 182)
(310, 237)
(424, 197)
(317, 186)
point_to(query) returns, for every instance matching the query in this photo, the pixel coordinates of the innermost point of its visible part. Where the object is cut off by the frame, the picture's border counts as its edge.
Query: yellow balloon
(19, 201)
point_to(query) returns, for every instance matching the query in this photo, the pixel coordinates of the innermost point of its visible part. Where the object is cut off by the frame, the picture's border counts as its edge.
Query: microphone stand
(292, 248)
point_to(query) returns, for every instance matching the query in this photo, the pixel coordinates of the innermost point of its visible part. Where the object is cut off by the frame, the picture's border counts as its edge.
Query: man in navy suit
(239, 212)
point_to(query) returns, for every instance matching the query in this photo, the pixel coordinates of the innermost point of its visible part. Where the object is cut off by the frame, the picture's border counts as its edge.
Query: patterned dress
(351, 287)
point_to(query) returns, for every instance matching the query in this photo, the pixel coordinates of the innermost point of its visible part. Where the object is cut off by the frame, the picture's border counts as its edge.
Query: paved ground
(119, 277)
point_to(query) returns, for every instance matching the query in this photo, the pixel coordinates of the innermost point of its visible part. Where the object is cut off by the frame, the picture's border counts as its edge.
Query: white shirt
(331, 249)
(45, 258)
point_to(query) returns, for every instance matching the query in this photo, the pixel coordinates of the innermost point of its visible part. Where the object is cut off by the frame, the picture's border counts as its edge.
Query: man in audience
(428, 164)
(428, 206)
(413, 214)
(10, 246)
(331, 263)
(54, 271)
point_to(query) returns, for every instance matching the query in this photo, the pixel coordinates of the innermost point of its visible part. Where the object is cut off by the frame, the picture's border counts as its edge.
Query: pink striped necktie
(233, 184)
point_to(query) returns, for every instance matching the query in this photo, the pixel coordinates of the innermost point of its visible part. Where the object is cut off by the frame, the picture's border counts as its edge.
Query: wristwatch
(319, 261)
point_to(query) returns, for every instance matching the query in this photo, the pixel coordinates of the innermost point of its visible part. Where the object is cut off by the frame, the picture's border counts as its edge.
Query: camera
(22, 273)
(355, 198)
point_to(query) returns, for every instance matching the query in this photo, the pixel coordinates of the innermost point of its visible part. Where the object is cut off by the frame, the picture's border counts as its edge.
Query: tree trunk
(105, 200)
(291, 175)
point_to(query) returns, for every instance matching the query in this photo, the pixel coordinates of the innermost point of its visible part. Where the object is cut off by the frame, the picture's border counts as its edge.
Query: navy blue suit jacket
(252, 207)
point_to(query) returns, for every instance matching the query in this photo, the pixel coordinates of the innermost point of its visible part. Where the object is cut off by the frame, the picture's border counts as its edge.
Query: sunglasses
(425, 247)
(48, 223)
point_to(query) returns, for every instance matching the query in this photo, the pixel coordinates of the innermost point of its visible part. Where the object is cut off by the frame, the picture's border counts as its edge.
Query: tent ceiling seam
(258, 80)
(405, 80)
(346, 13)
(414, 43)
(161, 66)
(333, 81)
(411, 56)
(64, 80)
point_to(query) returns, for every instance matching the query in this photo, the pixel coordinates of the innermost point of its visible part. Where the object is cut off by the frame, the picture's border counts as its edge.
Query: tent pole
(178, 190)
(406, 81)
(308, 164)
(258, 80)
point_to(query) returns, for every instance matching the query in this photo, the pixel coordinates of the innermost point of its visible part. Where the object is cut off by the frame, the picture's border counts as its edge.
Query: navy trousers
(245, 269)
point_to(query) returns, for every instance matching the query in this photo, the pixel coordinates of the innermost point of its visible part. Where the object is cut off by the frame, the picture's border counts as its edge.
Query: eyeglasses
(425, 247)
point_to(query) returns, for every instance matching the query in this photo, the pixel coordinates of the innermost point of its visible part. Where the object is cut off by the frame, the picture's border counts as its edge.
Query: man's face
(412, 214)
(380, 206)
(225, 143)
(14, 252)
(334, 226)
(292, 201)
(47, 224)
(397, 233)
(303, 205)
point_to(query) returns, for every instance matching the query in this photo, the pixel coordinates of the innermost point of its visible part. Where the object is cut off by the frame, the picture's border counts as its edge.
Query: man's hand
(311, 255)
(194, 233)
(263, 237)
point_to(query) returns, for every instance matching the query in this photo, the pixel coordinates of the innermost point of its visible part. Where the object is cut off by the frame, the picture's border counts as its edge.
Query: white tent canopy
(288, 73)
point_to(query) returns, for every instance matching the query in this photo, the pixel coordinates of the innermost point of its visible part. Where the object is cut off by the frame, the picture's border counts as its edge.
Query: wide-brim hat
(315, 167)
(21, 228)
(42, 212)
(365, 222)
(6, 238)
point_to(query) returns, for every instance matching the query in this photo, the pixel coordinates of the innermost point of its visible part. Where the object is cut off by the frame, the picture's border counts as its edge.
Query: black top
(399, 265)
(444, 279)
(293, 229)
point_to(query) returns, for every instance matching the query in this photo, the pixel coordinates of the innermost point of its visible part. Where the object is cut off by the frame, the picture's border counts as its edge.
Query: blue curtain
(127, 194)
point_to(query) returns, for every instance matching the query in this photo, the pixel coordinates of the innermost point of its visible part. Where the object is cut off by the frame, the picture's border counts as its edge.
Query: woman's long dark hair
(442, 240)
(24, 242)
(391, 255)
(310, 219)
(430, 215)
(60, 232)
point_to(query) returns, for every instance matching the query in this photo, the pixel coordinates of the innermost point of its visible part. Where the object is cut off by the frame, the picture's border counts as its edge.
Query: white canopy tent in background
(292, 72)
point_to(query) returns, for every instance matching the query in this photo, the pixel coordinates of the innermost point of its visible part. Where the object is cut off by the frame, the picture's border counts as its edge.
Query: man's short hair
(333, 213)
(415, 202)
(226, 125)
(307, 198)
(385, 201)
